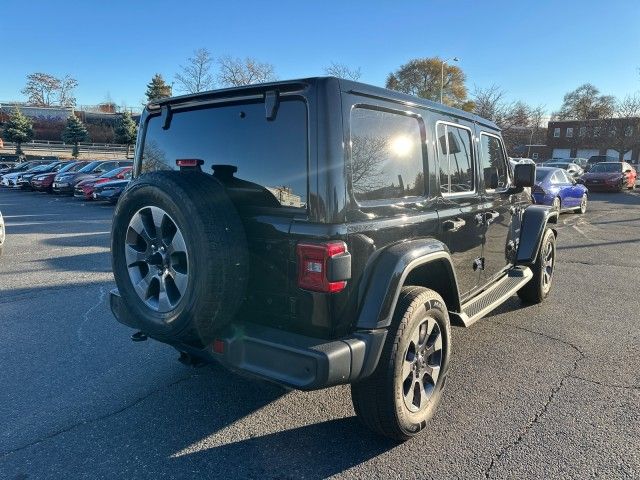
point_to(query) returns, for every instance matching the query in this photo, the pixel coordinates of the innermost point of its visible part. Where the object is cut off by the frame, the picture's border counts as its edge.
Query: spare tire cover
(179, 255)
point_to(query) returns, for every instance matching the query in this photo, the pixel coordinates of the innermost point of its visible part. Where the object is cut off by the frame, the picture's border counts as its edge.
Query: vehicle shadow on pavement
(311, 451)
(92, 239)
(82, 262)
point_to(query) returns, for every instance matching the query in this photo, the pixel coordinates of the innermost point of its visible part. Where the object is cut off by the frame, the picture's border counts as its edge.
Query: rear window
(386, 155)
(269, 153)
(607, 168)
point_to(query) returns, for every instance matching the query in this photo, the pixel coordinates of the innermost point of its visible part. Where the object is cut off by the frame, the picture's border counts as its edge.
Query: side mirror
(524, 175)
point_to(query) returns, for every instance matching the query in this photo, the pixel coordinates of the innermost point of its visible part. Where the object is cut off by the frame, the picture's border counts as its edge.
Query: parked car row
(565, 185)
(89, 180)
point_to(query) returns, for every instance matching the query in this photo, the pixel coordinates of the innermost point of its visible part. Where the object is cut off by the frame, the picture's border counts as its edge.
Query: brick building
(618, 137)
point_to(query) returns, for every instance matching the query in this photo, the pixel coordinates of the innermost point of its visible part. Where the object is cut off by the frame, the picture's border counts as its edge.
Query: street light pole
(455, 59)
(530, 140)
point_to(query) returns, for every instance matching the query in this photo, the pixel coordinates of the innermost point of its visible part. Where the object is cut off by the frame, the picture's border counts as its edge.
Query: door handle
(453, 225)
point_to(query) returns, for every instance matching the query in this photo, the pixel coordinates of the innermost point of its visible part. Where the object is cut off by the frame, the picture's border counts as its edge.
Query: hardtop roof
(345, 85)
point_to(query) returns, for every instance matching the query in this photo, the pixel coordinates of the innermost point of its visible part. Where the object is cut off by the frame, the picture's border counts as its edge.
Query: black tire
(215, 260)
(538, 288)
(379, 400)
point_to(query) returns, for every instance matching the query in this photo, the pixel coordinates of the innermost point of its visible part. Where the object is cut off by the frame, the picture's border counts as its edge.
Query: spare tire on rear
(180, 256)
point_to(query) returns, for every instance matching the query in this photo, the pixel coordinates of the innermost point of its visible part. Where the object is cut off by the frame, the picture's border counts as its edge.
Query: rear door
(460, 206)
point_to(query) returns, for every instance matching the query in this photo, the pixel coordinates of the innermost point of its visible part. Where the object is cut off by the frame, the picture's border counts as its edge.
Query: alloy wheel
(548, 262)
(157, 259)
(421, 364)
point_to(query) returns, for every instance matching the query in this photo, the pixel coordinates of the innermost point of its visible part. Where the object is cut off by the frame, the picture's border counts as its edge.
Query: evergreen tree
(74, 132)
(18, 129)
(126, 130)
(157, 88)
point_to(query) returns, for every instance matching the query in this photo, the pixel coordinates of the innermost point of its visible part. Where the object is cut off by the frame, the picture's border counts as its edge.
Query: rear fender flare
(386, 275)
(534, 223)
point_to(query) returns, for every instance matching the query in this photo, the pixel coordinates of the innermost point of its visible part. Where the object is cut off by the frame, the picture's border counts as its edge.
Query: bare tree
(196, 74)
(621, 131)
(41, 89)
(519, 122)
(489, 102)
(235, 72)
(341, 70)
(66, 97)
(586, 103)
(367, 157)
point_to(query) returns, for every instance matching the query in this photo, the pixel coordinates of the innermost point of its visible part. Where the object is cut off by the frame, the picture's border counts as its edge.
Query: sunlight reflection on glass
(401, 145)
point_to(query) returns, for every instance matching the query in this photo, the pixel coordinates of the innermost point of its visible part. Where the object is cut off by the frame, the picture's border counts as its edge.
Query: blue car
(553, 187)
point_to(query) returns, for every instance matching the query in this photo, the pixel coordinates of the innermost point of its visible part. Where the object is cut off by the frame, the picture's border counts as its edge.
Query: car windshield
(67, 167)
(89, 167)
(607, 168)
(541, 175)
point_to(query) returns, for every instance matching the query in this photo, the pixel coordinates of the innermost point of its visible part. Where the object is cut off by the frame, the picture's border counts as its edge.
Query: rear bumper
(295, 361)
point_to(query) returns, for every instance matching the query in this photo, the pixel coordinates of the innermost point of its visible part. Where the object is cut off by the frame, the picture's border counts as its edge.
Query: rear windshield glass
(269, 153)
(607, 167)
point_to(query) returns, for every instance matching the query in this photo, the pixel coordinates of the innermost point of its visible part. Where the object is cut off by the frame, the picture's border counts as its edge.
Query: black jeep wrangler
(320, 232)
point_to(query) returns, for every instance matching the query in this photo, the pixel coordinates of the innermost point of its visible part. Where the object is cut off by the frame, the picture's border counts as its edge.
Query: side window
(386, 155)
(455, 159)
(563, 177)
(493, 163)
(555, 178)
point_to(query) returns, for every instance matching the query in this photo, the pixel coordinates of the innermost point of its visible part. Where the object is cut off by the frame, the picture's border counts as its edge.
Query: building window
(612, 132)
(534, 155)
(628, 131)
(556, 132)
(596, 131)
(582, 132)
(569, 132)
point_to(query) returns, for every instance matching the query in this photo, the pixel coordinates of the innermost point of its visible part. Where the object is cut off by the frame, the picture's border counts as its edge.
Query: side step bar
(485, 301)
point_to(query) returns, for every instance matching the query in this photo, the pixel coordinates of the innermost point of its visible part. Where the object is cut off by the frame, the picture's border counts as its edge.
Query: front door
(498, 205)
(460, 208)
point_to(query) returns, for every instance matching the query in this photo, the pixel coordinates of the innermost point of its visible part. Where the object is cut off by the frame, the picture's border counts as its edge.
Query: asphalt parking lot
(537, 392)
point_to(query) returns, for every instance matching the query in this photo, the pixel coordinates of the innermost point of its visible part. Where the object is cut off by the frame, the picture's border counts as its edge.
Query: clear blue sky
(535, 50)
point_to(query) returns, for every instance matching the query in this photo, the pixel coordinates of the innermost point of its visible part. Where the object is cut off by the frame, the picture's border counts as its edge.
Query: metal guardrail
(58, 148)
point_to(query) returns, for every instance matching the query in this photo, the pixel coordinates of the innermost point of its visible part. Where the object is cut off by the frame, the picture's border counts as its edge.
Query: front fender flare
(385, 276)
(534, 222)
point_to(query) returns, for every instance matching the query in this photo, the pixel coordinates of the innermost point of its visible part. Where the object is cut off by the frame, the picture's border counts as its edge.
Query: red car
(43, 182)
(610, 176)
(85, 188)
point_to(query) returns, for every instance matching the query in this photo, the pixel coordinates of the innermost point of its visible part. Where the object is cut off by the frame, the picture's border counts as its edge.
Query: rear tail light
(323, 267)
